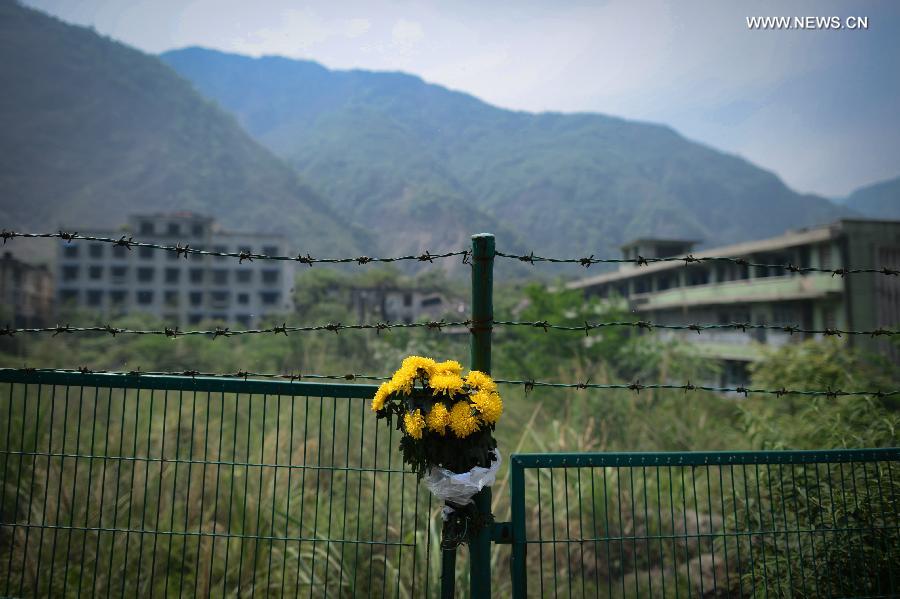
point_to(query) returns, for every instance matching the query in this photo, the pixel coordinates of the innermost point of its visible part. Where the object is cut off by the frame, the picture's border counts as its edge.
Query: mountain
(879, 200)
(94, 130)
(413, 158)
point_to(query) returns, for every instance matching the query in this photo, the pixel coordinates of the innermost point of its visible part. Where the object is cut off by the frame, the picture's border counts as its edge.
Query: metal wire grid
(780, 524)
(178, 487)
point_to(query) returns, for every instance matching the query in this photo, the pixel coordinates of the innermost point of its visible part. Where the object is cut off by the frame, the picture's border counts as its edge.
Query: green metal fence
(724, 524)
(180, 486)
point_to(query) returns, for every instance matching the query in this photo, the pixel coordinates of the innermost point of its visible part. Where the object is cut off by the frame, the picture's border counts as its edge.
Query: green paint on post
(482, 324)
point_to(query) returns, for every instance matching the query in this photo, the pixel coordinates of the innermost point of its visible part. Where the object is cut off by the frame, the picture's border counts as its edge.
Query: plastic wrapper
(459, 489)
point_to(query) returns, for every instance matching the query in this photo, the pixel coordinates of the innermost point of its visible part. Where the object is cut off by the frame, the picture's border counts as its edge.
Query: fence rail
(159, 485)
(722, 524)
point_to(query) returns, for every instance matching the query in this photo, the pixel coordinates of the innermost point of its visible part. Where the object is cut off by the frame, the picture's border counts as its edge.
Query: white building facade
(113, 280)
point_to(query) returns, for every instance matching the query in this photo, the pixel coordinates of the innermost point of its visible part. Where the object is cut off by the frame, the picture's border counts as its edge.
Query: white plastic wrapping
(459, 489)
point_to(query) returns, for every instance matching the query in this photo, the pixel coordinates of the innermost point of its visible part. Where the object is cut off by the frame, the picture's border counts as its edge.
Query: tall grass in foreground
(182, 493)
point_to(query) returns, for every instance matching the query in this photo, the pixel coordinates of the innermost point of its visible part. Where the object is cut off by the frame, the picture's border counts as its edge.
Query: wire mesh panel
(738, 524)
(181, 487)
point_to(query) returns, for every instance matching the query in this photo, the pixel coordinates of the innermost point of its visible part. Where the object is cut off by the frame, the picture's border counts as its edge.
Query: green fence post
(482, 325)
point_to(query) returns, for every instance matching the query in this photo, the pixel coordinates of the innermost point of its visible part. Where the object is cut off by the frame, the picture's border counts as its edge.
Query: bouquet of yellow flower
(447, 419)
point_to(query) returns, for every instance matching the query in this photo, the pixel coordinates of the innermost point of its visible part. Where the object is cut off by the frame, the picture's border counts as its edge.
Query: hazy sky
(818, 107)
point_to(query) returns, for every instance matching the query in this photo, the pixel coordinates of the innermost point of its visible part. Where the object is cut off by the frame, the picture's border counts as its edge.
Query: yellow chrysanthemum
(414, 424)
(415, 363)
(462, 422)
(438, 418)
(448, 383)
(489, 405)
(481, 381)
(403, 380)
(448, 367)
(381, 396)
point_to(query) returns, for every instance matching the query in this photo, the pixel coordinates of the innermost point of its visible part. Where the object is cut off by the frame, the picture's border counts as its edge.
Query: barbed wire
(185, 250)
(439, 325)
(217, 332)
(637, 387)
(529, 385)
(240, 374)
(691, 259)
(698, 328)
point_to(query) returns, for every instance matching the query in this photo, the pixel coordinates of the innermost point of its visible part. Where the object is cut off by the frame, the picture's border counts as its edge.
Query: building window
(117, 297)
(219, 299)
(220, 276)
(145, 297)
(195, 318)
(69, 273)
(270, 277)
(118, 273)
(431, 301)
(196, 275)
(94, 297)
(269, 298)
(145, 274)
(145, 253)
(243, 276)
(243, 319)
(221, 317)
(119, 251)
(146, 228)
(174, 229)
(243, 298)
(95, 250)
(663, 283)
(245, 248)
(196, 298)
(197, 257)
(173, 275)
(68, 295)
(172, 256)
(220, 249)
(698, 277)
(95, 272)
(197, 230)
(171, 299)
(407, 299)
(270, 250)
(70, 251)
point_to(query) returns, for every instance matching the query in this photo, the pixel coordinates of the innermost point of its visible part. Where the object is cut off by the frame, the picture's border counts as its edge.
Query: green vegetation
(403, 155)
(94, 131)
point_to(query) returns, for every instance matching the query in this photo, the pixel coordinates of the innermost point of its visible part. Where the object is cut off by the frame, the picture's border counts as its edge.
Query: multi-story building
(726, 292)
(403, 304)
(115, 280)
(26, 293)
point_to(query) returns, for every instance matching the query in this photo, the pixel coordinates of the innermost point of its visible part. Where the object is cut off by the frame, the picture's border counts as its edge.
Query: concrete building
(114, 280)
(404, 304)
(26, 293)
(722, 293)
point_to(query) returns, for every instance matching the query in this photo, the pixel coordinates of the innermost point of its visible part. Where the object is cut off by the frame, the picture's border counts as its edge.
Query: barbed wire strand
(185, 250)
(440, 325)
(691, 259)
(128, 242)
(529, 385)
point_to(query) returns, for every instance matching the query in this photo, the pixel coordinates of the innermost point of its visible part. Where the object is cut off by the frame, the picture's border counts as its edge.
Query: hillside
(880, 200)
(388, 149)
(94, 130)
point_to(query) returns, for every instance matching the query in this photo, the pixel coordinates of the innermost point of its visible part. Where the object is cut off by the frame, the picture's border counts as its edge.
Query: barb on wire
(182, 250)
(689, 259)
